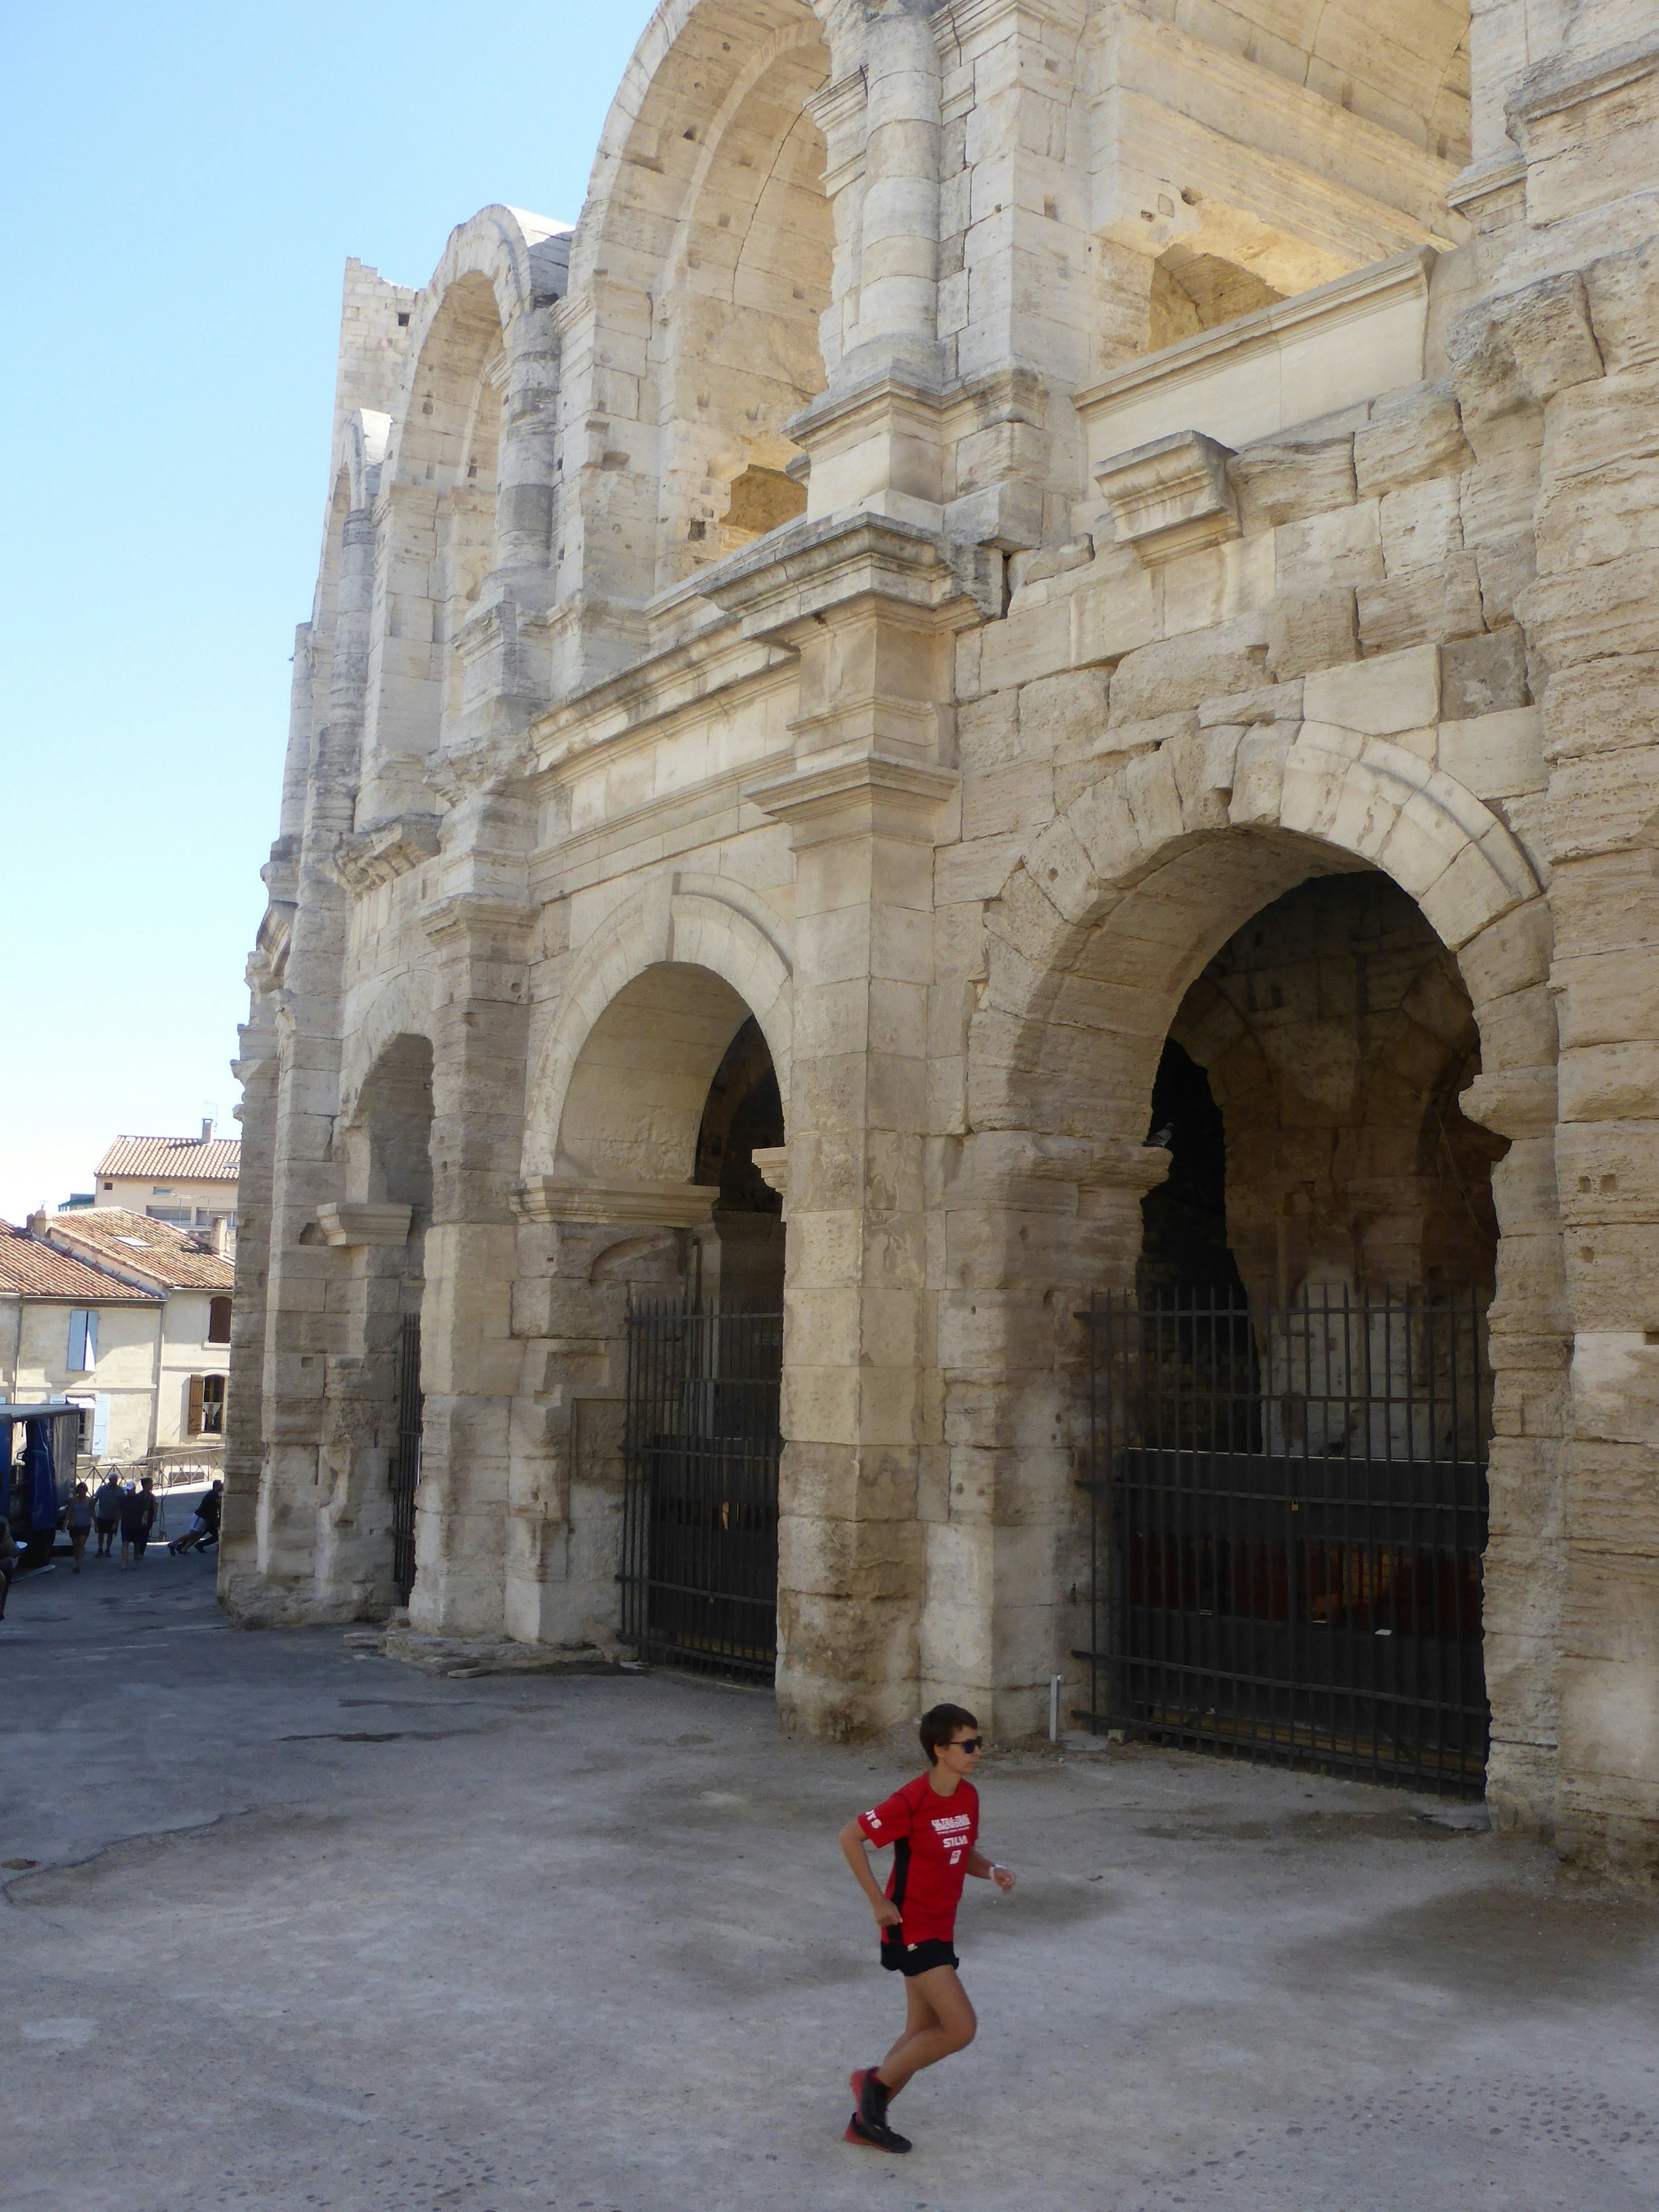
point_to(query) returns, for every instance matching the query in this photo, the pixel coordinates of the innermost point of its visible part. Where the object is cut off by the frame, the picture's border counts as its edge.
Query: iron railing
(406, 1456)
(700, 1522)
(1289, 1515)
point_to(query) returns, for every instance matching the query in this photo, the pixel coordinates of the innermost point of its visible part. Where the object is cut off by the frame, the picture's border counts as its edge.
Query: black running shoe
(871, 2093)
(875, 2135)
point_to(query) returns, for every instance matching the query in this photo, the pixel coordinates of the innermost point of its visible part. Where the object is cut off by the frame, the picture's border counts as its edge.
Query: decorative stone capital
(469, 914)
(360, 1221)
(784, 586)
(871, 796)
(1170, 497)
(772, 1165)
(646, 1205)
(386, 851)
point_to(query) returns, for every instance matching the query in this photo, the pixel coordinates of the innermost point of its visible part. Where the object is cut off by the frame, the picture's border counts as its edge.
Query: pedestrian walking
(932, 1826)
(77, 1519)
(139, 1510)
(203, 1522)
(107, 1514)
(7, 1562)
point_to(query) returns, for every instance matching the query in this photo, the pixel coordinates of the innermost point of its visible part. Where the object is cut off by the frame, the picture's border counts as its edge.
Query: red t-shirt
(932, 1836)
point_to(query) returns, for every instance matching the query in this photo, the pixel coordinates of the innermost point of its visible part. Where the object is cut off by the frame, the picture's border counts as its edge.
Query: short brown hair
(939, 1726)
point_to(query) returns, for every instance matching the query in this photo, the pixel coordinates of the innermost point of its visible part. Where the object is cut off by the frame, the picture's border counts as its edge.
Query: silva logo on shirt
(948, 1828)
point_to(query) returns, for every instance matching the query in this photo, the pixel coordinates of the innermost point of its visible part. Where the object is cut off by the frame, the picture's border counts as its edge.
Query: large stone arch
(401, 1007)
(688, 922)
(1140, 861)
(708, 149)
(1103, 924)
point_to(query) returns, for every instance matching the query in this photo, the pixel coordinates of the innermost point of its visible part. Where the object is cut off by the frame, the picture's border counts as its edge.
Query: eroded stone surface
(721, 622)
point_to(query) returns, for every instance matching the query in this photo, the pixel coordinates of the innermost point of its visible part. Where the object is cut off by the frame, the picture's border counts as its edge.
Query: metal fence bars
(406, 1456)
(1289, 1514)
(699, 1527)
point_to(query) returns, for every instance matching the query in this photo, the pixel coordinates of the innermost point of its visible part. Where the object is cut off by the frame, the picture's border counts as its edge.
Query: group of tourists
(128, 1509)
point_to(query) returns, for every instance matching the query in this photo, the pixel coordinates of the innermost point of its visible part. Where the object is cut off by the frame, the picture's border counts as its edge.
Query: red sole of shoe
(851, 2135)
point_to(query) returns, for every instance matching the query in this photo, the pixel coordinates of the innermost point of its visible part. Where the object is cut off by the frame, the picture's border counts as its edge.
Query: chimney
(220, 1238)
(37, 1221)
(207, 1129)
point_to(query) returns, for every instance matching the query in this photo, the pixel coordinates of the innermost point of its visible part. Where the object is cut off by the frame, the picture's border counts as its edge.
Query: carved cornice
(872, 796)
(791, 578)
(469, 914)
(491, 765)
(1568, 80)
(356, 1222)
(1171, 496)
(646, 1205)
(386, 850)
(772, 1165)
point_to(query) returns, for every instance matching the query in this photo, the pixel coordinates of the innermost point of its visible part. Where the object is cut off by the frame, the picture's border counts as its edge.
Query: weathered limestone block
(1079, 763)
(1409, 436)
(1343, 547)
(1600, 705)
(1313, 632)
(1064, 713)
(1389, 692)
(1441, 603)
(1483, 675)
(1282, 479)
(1177, 672)
(1619, 291)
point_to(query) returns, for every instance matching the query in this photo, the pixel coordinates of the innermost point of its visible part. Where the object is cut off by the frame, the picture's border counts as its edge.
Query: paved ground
(308, 1929)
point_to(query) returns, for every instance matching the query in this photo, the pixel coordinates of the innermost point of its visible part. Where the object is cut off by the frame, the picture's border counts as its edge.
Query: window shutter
(83, 1340)
(101, 1425)
(195, 1424)
(92, 1338)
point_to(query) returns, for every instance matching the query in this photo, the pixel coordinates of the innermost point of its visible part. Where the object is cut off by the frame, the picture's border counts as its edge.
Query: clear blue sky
(182, 185)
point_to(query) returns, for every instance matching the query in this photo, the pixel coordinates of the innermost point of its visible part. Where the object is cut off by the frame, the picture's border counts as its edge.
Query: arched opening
(440, 537)
(1292, 1404)
(739, 329)
(376, 1427)
(1340, 144)
(675, 1101)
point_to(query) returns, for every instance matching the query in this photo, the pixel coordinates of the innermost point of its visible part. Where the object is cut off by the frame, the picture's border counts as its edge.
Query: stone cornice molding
(488, 767)
(466, 915)
(646, 1205)
(870, 796)
(1171, 496)
(1332, 304)
(386, 850)
(358, 1222)
(1568, 80)
(1484, 180)
(772, 1165)
(962, 23)
(789, 581)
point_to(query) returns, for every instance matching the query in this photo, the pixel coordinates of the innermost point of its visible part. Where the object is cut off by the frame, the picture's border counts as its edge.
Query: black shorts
(909, 1958)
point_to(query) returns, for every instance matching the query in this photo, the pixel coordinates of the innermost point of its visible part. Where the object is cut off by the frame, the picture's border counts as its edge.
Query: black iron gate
(406, 1456)
(700, 1530)
(1289, 1515)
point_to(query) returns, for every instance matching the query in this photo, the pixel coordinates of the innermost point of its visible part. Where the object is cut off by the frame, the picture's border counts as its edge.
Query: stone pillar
(303, 1327)
(470, 1362)
(1032, 1224)
(583, 1246)
(898, 276)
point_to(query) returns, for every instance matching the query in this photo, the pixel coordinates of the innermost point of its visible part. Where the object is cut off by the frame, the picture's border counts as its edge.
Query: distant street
(307, 1930)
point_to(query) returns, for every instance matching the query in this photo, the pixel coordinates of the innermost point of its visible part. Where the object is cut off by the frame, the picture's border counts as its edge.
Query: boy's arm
(986, 1870)
(855, 1848)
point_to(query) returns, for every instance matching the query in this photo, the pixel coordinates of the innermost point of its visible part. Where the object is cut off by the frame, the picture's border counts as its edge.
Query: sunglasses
(969, 1743)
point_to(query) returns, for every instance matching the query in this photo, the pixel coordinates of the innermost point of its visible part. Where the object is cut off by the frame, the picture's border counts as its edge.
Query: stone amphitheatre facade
(1018, 545)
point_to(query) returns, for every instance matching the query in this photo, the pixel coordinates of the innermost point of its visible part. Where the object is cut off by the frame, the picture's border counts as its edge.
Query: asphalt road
(303, 1929)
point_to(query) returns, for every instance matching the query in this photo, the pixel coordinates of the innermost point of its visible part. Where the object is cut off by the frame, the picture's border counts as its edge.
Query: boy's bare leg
(938, 2019)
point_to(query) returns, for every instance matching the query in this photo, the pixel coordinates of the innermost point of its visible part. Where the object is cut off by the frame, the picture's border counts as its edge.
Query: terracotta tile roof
(31, 1267)
(216, 1160)
(112, 1236)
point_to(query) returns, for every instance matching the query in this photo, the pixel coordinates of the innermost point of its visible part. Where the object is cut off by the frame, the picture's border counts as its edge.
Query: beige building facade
(1025, 561)
(187, 1182)
(123, 1316)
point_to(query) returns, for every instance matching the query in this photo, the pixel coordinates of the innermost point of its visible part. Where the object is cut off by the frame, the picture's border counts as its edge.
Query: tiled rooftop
(33, 1269)
(113, 1236)
(217, 1160)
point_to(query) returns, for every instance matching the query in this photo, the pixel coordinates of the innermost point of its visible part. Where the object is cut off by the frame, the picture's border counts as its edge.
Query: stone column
(1032, 1225)
(469, 1360)
(898, 276)
(303, 1327)
(583, 1247)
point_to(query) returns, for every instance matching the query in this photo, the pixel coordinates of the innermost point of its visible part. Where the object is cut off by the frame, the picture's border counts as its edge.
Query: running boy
(932, 1824)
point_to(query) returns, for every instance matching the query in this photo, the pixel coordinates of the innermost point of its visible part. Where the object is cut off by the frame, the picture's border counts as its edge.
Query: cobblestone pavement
(307, 1930)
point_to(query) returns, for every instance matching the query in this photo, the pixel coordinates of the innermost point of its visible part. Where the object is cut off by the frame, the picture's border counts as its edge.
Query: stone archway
(1095, 937)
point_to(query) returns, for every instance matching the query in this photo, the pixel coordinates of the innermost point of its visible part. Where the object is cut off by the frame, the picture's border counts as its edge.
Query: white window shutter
(92, 1338)
(101, 1425)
